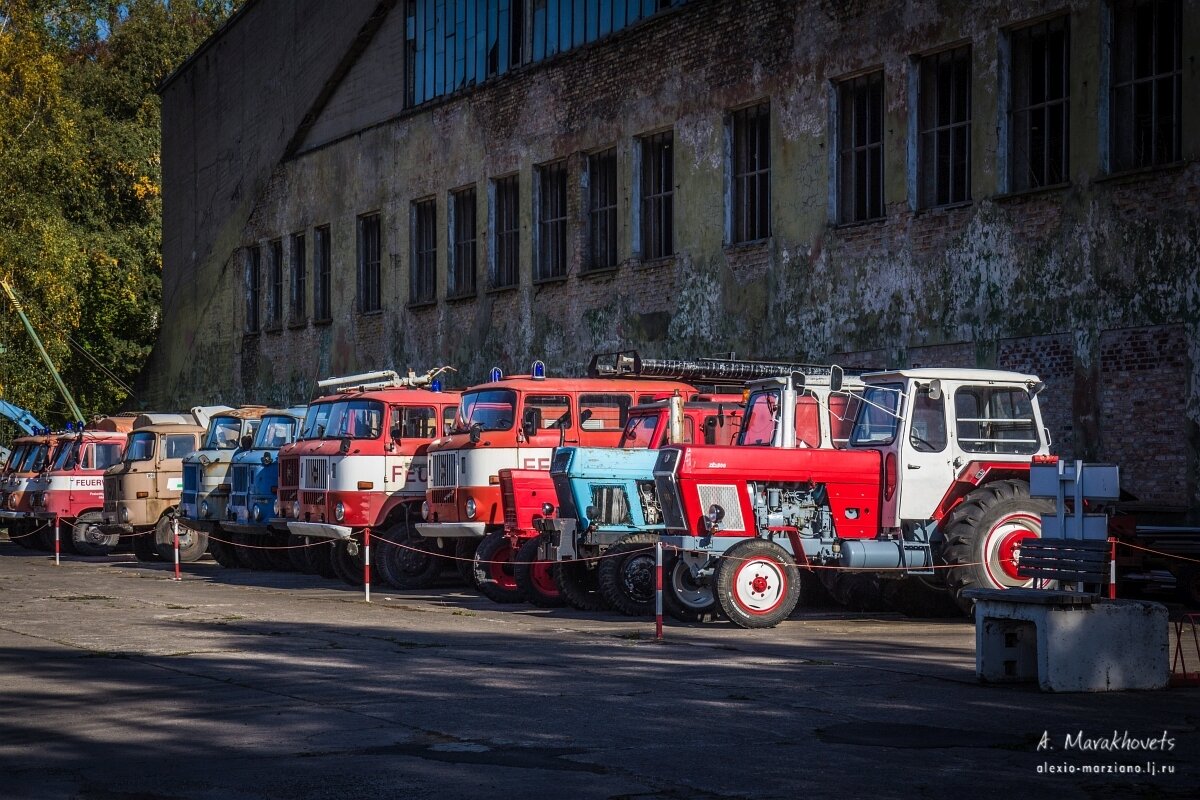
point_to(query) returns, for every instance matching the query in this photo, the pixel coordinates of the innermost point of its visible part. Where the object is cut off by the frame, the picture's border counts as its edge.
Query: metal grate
(610, 506)
(312, 498)
(314, 473)
(443, 470)
(111, 494)
(509, 499)
(241, 484)
(289, 472)
(191, 483)
(725, 496)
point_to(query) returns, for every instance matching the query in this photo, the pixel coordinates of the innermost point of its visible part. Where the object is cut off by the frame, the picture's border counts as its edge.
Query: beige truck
(141, 493)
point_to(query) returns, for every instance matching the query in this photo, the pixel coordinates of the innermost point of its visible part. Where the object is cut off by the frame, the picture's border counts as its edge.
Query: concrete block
(1111, 645)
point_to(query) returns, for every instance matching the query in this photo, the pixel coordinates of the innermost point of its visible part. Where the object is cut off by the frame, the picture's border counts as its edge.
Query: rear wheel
(492, 573)
(684, 597)
(758, 584)
(536, 578)
(626, 575)
(410, 562)
(579, 585)
(983, 537)
(87, 537)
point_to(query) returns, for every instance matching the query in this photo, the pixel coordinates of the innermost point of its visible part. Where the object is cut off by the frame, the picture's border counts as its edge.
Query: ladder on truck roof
(382, 379)
(728, 371)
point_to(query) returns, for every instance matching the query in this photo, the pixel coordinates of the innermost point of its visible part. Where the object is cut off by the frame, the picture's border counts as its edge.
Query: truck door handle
(914, 466)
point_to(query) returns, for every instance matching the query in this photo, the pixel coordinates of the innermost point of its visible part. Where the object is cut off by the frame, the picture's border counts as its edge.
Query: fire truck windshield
(66, 455)
(315, 420)
(490, 409)
(141, 447)
(15, 458)
(274, 433)
(355, 419)
(639, 432)
(223, 434)
(35, 459)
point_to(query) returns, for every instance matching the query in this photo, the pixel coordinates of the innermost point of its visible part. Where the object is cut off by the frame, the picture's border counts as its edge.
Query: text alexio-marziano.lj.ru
(1118, 742)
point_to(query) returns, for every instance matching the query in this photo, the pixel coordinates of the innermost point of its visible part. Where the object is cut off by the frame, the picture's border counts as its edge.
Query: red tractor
(933, 484)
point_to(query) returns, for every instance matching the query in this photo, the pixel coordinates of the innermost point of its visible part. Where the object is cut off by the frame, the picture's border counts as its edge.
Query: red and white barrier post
(658, 590)
(175, 531)
(57, 541)
(367, 563)
(1112, 568)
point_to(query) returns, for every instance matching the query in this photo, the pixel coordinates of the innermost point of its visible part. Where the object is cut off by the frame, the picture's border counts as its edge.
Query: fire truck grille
(111, 495)
(443, 470)
(509, 498)
(191, 483)
(288, 472)
(314, 473)
(241, 484)
(610, 506)
(312, 498)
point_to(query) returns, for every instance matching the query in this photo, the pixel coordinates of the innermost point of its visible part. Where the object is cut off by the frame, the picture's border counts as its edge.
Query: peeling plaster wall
(1042, 280)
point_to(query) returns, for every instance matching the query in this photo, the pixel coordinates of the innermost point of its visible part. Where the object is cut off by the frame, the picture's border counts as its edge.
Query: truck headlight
(295, 509)
(470, 508)
(258, 513)
(277, 508)
(204, 510)
(425, 509)
(339, 511)
(125, 514)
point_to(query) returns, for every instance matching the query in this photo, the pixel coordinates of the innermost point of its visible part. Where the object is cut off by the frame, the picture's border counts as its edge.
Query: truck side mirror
(531, 421)
(476, 432)
(397, 430)
(246, 442)
(836, 377)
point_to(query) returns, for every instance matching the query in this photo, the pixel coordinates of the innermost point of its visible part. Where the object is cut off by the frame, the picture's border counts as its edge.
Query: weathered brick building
(380, 183)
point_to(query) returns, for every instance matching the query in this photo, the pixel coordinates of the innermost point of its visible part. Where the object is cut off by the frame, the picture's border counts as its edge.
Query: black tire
(536, 578)
(43, 539)
(858, 591)
(757, 583)
(20, 533)
(410, 561)
(223, 553)
(193, 543)
(296, 555)
(464, 559)
(492, 570)
(980, 532)
(579, 585)
(277, 553)
(320, 558)
(914, 597)
(685, 598)
(248, 549)
(349, 568)
(625, 573)
(143, 546)
(87, 537)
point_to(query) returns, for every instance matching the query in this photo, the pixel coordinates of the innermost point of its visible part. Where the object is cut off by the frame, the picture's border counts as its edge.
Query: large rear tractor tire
(492, 573)
(758, 584)
(87, 537)
(536, 578)
(684, 597)
(579, 585)
(983, 536)
(410, 561)
(625, 573)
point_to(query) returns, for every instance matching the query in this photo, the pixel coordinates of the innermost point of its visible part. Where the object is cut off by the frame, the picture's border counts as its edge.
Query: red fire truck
(363, 468)
(70, 495)
(30, 455)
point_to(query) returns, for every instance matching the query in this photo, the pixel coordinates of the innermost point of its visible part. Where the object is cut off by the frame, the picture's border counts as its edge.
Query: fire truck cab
(70, 495)
(30, 455)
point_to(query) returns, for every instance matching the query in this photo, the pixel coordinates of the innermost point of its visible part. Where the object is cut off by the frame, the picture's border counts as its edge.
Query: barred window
(750, 151)
(299, 286)
(658, 195)
(552, 221)
(369, 291)
(276, 310)
(321, 271)
(1039, 105)
(1147, 84)
(506, 233)
(460, 278)
(860, 148)
(944, 127)
(602, 209)
(423, 270)
(253, 276)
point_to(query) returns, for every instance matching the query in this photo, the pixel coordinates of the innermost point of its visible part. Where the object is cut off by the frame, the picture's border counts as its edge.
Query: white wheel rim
(759, 585)
(1002, 552)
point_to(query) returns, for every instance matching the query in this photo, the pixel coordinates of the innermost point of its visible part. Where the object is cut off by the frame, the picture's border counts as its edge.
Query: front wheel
(143, 545)
(88, 539)
(684, 597)
(626, 574)
(409, 561)
(983, 536)
(536, 578)
(758, 584)
(492, 575)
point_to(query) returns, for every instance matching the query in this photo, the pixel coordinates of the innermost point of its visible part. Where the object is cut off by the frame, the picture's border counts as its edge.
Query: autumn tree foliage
(80, 205)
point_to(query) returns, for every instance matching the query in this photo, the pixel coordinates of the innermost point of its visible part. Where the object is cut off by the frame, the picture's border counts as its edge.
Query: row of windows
(1144, 129)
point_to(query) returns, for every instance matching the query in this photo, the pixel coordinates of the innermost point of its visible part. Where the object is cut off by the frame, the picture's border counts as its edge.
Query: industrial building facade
(410, 183)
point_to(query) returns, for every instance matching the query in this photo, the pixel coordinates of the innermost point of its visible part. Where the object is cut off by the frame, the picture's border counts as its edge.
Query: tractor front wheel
(626, 575)
(536, 578)
(983, 536)
(684, 597)
(579, 585)
(492, 575)
(758, 584)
